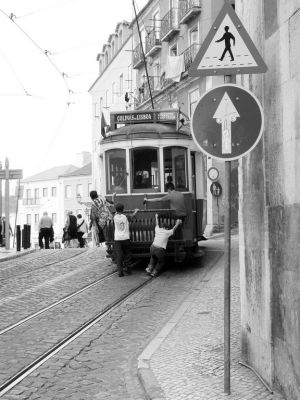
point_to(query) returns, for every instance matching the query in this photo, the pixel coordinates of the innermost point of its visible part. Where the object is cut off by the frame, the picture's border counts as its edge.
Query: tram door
(197, 203)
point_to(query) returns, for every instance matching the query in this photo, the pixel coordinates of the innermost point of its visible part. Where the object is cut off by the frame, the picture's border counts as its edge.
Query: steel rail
(38, 268)
(22, 321)
(14, 380)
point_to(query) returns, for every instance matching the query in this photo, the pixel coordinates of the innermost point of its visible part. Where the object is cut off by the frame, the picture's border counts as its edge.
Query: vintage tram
(142, 152)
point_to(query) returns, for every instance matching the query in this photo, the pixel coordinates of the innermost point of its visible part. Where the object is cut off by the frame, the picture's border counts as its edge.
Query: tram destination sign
(145, 116)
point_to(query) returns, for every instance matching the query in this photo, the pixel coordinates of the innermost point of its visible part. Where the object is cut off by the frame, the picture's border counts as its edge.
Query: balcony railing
(189, 55)
(169, 25)
(164, 82)
(138, 59)
(153, 43)
(188, 9)
(144, 92)
(31, 201)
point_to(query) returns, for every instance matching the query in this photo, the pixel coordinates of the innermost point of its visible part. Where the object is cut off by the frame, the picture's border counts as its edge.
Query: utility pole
(7, 243)
(0, 192)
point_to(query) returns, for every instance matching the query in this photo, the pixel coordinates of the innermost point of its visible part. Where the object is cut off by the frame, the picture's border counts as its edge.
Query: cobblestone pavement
(25, 343)
(189, 363)
(102, 363)
(39, 287)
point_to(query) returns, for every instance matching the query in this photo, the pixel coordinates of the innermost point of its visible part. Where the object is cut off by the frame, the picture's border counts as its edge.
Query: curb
(13, 256)
(146, 376)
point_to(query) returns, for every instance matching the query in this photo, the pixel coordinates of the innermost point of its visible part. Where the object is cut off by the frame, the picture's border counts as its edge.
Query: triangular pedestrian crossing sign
(227, 49)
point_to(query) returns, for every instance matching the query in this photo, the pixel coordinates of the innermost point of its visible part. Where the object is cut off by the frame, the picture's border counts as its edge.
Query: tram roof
(145, 131)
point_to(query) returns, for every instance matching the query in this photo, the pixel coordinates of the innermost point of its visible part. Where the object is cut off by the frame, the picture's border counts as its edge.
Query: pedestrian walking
(70, 231)
(159, 245)
(82, 229)
(122, 240)
(45, 230)
(1, 238)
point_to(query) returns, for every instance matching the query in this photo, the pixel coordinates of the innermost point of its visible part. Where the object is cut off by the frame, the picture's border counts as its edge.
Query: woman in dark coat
(70, 231)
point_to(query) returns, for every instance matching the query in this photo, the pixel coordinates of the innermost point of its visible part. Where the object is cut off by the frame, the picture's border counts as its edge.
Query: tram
(142, 152)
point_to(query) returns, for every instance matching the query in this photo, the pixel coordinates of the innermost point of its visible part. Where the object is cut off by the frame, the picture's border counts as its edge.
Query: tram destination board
(145, 116)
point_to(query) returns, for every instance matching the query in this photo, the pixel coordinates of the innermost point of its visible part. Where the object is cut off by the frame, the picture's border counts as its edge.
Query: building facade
(57, 191)
(269, 201)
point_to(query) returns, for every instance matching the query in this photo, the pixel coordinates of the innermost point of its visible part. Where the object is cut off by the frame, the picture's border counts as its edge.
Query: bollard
(23, 238)
(28, 236)
(18, 238)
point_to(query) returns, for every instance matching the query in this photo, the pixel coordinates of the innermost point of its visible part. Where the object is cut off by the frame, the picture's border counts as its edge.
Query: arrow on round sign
(225, 114)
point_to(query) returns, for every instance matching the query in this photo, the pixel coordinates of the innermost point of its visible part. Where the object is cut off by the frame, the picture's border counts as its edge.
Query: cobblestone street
(102, 363)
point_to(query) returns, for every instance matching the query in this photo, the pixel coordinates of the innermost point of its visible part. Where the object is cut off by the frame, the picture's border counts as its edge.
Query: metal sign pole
(227, 269)
(7, 244)
(0, 192)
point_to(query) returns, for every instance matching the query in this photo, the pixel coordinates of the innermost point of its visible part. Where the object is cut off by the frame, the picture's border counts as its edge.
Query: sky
(48, 53)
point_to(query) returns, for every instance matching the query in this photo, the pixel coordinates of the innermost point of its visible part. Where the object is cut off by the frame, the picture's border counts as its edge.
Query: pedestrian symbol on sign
(227, 37)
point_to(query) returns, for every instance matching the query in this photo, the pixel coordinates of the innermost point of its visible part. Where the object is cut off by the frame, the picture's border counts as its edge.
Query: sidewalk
(185, 360)
(12, 253)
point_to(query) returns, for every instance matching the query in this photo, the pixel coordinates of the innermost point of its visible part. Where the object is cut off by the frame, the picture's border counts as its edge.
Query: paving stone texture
(102, 363)
(189, 363)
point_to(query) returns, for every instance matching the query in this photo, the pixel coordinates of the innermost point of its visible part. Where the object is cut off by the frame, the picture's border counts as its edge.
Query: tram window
(116, 176)
(145, 173)
(175, 167)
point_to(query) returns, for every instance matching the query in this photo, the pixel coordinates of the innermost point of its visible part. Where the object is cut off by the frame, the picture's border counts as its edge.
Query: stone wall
(270, 200)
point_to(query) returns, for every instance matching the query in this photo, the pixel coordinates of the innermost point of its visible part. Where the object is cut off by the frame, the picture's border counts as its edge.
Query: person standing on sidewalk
(122, 240)
(45, 230)
(158, 247)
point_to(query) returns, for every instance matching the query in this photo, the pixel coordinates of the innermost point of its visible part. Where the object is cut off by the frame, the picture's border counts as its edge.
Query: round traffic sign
(227, 122)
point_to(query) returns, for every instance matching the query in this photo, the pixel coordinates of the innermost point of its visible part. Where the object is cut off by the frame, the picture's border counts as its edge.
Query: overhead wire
(63, 75)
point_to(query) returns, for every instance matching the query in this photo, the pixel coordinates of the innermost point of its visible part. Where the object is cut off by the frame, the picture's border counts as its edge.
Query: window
(175, 167)
(79, 190)
(113, 92)
(68, 191)
(156, 24)
(194, 35)
(116, 176)
(36, 193)
(120, 39)
(54, 218)
(28, 219)
(101, 104)
(193, 98)
(145, 172)
(173, 50)
(106, 58)
(45, 192)
(36, 219)
(28, 193)
(53, 191)
(112, 49)
(156, 69)
(89, 188)
(121, 84)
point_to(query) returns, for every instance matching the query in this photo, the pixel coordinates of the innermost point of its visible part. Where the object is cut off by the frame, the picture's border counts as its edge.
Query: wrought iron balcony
(169, 25)
(164, 82)
(31, 201)
(144, 92)
(137, 59)
(188, 9)
(153, 43)
(189, 55)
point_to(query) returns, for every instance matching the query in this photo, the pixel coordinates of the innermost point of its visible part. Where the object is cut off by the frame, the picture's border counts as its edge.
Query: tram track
(43, 310)
(36, 268)
(60, 344)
